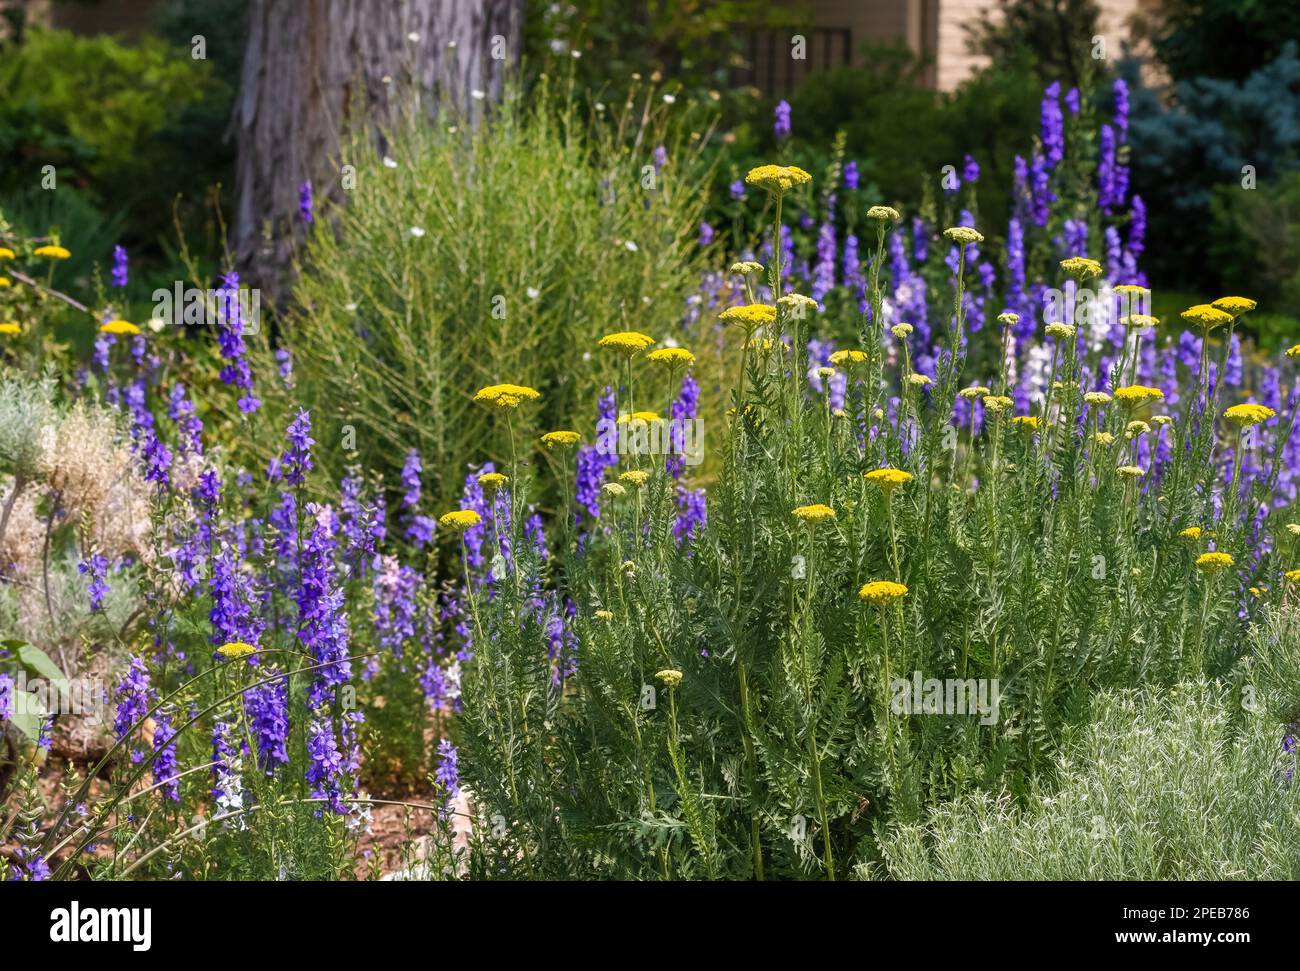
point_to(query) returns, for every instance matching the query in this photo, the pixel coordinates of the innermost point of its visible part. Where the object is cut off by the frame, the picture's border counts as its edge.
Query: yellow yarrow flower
(561, 439)
(626, 341)
(882, 592)
(1027, 422)
(604, 615)
(235, 649)
(634, 477)
(613, 490)
(1103, 438)
(997, 403)
(670, 677)
(7, 254)
(492, 480)
(459, 519)
(1130, 471)
(1293, 351)
(1081, 268)
(815, 513)
(1060, 331)
(1008, 319)
(1139, 321)
(1192, 533)
(750, 316)
(1133, 395)
(1213, 562)
(964, 235)
(1135, 428)
(5, 281)
(1293, 529)
(1206, 317)
(1236, 306)
(119, 327)
(10, 328)
(901, 331)
(887, 213)
(1096, 398)
(745, 267)
(1249, 414)
(52, 252)
(798, 303)
(973, 392)
(888, 479)
(505, 395)
(919, 380)
(672, 357)
(777, 179)
(841, 358)
(646, 416)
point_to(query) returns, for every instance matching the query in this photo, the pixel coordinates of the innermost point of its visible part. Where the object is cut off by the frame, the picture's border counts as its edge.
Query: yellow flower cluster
(671, 677)
(52, 252)
(235, 649)
(672, 357)
(119, 327)
(561, 439)
(815, 513)
(1213, 562)
(10, 328)
(492, 480)
(1192, 533)
(1081, 268)
(459, 519)
(964, 235)
(626, 341)
(841, 358)
(888, 479)
(645, 416)
(1140, 321)
(1236, 306)
(505, 395)
(749, 316)
(886, 213)
(1132, 395)
(1206, 317)
(634, 477)
(1249, 414)
(777, 179)
(882, 592)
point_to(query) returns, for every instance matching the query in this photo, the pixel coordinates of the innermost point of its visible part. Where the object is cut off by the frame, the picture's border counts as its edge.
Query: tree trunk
(309, 63)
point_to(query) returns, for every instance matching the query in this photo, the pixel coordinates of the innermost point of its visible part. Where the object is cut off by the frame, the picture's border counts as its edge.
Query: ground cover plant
(871, 544)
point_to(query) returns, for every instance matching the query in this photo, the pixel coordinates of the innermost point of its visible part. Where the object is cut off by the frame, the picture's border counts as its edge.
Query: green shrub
(136, 123)
(1156, 788)
(1255, 243)
(537, 240)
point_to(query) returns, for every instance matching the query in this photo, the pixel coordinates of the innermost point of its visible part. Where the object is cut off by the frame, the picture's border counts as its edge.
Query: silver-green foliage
(1177, 785)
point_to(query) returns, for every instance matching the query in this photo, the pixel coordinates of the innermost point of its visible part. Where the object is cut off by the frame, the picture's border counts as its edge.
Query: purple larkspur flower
(781, 121)
(411, 471)
(132, 694)
(322, 619)
(95, 567)
(851, 176)
(164, 762)
(267, 706)
(305, 202)
(1072, 101)
(971, 171)
(325, 767)
(181, 410)
(692, 513)
(296, 460)
(6, 697)
(447, 773)
(120, 272)
(284, 360)
(1052, 125)
(706, 234)
(737, 190)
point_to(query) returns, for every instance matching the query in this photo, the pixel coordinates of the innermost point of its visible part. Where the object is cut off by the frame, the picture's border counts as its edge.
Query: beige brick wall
(955, 64)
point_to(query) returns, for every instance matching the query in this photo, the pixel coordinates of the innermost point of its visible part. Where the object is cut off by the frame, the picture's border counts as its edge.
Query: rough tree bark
(309, 64)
